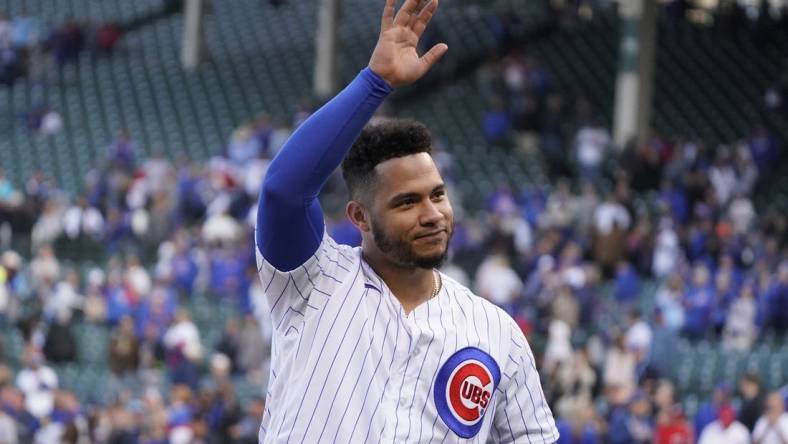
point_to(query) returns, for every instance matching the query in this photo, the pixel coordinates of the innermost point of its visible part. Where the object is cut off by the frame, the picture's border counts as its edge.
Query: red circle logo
(469, 390)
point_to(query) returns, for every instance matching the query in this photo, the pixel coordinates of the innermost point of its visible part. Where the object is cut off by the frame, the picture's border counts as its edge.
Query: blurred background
(618, 171)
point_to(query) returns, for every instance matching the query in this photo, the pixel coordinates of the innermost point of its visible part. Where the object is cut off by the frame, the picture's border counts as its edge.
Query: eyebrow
(404, 196)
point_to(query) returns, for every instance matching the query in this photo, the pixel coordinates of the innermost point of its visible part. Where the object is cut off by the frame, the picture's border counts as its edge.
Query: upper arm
(288, 232)
(522, 413)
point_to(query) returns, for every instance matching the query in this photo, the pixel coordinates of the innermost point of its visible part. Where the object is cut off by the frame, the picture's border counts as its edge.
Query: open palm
(395, 58)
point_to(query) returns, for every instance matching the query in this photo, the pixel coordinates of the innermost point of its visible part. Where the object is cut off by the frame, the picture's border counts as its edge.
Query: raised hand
(395, 58)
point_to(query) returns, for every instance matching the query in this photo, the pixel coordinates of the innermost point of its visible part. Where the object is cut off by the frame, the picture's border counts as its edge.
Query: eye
(406, 202)
(438, 195)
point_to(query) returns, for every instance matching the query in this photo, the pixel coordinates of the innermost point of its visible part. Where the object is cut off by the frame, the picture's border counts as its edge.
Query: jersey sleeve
(521, 412)
(290, 221)
(290, 295)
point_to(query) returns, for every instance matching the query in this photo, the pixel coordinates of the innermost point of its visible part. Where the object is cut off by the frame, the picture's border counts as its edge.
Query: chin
(431, 260)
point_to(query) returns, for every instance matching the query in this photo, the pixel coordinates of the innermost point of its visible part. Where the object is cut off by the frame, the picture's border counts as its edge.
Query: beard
(401, 251)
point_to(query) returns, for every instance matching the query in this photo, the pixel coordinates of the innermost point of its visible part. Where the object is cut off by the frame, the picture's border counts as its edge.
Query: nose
(430, 215)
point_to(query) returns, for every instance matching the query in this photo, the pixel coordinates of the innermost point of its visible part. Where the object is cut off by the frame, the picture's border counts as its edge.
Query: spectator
(638, 336)
(565, 307)
(49, 225)
(497, 282)
(222, 229)
(65, 299)
(753, 400)
(726, 429)
(137, 278)
(497, 124)
(13, 405)
(8, 433)
(183, 347)
(60, 345)
(740, 330)
(583, 425)
(611, 222)
(180, 415)
(560, 210)
(772, 427)
(669, 300)
(673, 428)
(627, 283)
(634, 424)
(44, 268)
(254, 345)
(591, 143)
(722, 177)
(38, 382)
(51, 123)
(247, 429)
(157, 310)
(124, 348)
(559, 348)
(764, 150)
(122, 151)
(699, 304)
(775, 299)
(619, 370)
(663, 344)
(229, 343)
(709, 411)
(667, 251)
(83, 220)
(576, 380)
(106, 38)
(95, 308)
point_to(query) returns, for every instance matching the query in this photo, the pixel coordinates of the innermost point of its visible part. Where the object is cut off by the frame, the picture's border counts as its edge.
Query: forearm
(289, 220)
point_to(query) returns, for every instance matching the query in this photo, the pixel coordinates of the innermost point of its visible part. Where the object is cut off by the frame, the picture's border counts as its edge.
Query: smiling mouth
(431, 235)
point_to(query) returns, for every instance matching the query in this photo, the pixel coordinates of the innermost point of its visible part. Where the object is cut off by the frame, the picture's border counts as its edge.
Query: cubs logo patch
(464, 390)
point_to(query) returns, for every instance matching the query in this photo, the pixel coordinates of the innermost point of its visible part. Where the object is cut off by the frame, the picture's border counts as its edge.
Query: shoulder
(480, 307)
(466, 298)
(328, 251)
(328, 243)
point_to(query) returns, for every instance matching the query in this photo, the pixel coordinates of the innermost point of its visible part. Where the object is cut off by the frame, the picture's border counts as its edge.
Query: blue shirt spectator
(627, 286)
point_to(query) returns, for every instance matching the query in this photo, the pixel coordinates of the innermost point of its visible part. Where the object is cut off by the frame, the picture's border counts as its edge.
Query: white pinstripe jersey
(349, 366)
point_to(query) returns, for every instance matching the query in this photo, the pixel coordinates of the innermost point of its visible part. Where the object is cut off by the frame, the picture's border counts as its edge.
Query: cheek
(448, 212)
(397, 224)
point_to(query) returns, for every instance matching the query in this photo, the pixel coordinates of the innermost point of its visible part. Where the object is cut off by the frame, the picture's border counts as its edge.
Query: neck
(410, 285)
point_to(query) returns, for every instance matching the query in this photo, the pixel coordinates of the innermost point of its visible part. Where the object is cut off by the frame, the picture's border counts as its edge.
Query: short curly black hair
(378, 143)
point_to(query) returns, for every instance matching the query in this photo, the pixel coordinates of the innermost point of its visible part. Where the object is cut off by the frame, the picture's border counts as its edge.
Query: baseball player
(373, 344)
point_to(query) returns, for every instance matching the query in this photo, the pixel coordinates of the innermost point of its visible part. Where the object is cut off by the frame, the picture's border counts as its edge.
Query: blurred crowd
(29, 46)
(671, 222)
(159, 235)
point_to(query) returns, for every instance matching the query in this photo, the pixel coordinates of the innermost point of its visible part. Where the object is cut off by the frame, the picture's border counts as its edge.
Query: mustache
(432, 232)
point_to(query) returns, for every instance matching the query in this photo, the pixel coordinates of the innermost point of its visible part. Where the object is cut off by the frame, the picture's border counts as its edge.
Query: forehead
(415, 173)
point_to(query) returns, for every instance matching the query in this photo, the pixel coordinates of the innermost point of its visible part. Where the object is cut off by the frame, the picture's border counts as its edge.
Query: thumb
(433, 55)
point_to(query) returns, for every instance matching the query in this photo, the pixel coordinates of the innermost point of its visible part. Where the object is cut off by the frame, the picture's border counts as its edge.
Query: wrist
(376, 81)
(377, 73)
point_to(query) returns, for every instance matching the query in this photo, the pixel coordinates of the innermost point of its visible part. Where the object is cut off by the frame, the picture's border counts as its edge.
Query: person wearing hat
(726, 429)
(709, 411)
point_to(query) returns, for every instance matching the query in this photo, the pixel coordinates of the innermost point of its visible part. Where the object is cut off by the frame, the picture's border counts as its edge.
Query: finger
(405, 12)
(388, 15)
(424, 17)
(432, 56)
(417, 12)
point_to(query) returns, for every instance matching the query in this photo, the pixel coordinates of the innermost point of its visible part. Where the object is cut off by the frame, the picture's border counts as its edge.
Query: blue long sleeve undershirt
(289, 218)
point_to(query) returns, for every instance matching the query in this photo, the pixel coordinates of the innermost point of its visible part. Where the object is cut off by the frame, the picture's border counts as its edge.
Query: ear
(357, 215)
